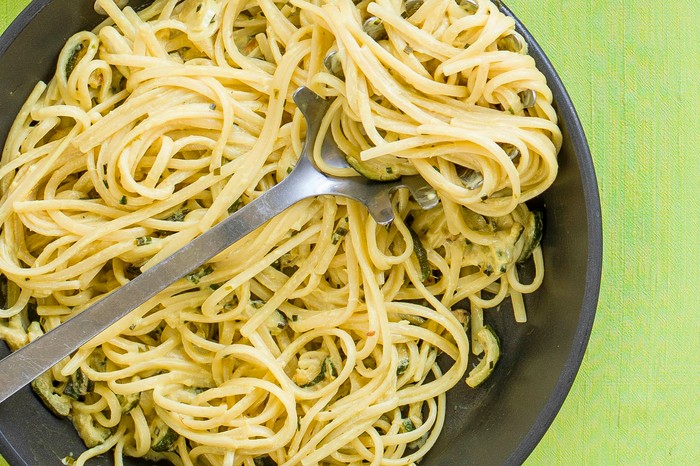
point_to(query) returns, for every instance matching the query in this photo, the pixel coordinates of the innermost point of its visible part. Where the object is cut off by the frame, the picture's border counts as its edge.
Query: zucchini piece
(385, 168)
(92, 434)
(264, 461)
(129, 402)
(404, 360)
(277, 321)
(533, 234)
(496, 258)
(402, 366)
(58, 404)
(13, 333)
(97, 360)
(78, 385)
(163, 438)
(418, 443)
(413, 319)
(76, 54)
(312, 368)
(421, 255)
(374, 27)
(492, 351)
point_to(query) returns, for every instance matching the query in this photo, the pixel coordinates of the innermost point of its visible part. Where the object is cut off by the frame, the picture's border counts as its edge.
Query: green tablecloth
(633, 71)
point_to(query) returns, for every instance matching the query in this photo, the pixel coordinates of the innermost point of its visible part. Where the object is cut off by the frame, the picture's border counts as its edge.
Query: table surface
(633, 72)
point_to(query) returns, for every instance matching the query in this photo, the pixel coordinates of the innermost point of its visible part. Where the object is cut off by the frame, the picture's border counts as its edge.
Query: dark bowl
(501, 421)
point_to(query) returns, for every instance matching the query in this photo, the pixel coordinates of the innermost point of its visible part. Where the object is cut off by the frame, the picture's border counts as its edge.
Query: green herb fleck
(196, 276)
(143, 240)
(178, 216)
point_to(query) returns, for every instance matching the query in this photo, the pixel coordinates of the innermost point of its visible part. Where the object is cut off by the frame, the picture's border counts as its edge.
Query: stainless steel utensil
(24, 365)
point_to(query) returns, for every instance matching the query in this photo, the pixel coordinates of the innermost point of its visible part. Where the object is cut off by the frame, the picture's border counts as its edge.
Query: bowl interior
(500, 421)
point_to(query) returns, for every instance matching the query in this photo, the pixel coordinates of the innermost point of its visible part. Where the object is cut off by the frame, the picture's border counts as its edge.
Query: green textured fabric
(632, 69)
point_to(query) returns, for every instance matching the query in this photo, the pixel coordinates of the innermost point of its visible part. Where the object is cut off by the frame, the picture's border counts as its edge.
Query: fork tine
(373, 194)
(422, 192)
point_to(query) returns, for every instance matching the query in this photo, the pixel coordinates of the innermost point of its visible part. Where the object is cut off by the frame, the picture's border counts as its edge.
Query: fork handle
(24, 365)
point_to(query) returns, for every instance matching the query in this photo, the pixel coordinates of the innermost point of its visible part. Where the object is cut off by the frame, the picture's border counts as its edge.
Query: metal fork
(305, 181)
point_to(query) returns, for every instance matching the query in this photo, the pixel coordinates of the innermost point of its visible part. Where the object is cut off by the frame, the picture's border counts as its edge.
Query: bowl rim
(594, 234)
(594, 261)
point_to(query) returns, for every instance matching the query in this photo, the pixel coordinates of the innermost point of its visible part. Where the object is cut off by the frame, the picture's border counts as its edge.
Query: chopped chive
(178, 216)
(200, 273)
(122, 201)
(339, 234)
(143, 240)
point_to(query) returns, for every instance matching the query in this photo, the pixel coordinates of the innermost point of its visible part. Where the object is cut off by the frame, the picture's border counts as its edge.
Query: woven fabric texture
(631, 68)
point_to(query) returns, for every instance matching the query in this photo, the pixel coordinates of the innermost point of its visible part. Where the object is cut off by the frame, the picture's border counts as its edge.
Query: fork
(305, 181)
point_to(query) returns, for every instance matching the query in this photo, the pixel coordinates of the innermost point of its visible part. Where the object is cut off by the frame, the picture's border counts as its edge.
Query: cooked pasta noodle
(315, 339)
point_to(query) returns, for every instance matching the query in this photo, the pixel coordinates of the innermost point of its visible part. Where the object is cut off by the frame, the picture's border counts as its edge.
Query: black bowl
(500, 421)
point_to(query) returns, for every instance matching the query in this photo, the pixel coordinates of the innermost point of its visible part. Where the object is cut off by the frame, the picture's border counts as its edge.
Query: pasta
(314, 340)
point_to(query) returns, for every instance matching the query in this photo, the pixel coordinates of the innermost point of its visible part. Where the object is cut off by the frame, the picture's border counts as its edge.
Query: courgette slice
(533, 234)
(413, 319)
(497, 257)
(92, 434)
(58, 404)
(163, 438)
(404, 360)
(421, 255)
(385, 168)
(75, 55)
(277, 321)
(312, 368)
(97, 360)
(264, 461)
(129, 402)
(78, 385)
(492, 351)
